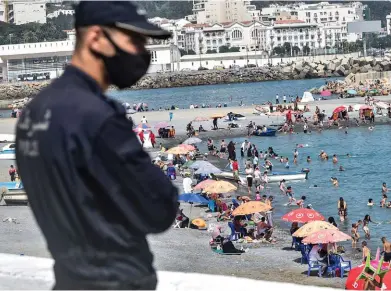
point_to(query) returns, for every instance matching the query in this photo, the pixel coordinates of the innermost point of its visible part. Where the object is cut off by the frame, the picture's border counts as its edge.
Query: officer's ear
(96, 41)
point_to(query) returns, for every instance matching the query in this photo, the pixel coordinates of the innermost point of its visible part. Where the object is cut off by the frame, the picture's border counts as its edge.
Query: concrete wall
(362, 77)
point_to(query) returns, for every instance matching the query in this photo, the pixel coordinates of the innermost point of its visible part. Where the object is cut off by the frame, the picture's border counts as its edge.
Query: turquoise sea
(232, 94)
(365, 171)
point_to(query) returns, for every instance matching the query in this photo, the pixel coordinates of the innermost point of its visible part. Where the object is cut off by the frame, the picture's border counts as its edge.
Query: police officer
(93, 190)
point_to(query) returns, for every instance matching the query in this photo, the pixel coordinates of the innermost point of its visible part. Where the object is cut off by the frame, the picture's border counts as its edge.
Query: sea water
(231, 94)
(365, 171)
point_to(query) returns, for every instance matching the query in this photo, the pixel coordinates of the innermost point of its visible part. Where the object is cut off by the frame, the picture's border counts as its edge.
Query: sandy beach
(187, 250)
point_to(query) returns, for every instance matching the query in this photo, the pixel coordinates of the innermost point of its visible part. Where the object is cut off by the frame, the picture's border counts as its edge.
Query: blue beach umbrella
(208, 169)
(192, 198)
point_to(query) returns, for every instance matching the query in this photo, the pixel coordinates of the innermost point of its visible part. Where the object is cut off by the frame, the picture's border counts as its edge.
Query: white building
(61, 11)
(324, 14)
(212, 11)
(21, 12)
(388, 27)
(47, 60)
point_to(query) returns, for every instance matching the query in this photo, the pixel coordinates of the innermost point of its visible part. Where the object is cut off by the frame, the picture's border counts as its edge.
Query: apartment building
(218, 11)
(21, 12)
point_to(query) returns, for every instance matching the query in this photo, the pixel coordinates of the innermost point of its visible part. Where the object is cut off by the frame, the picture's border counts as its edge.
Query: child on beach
(365, 251)
(289, 193)
(355, 235)
(282, 187)
(300, 202)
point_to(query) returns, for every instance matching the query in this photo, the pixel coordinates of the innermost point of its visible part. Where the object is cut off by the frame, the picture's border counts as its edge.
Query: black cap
(121, 14)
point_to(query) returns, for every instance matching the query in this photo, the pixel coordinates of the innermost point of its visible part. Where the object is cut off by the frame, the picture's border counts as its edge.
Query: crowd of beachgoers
(240, 206)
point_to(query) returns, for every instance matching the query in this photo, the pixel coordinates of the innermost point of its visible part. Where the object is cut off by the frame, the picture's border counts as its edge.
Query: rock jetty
(340, 67)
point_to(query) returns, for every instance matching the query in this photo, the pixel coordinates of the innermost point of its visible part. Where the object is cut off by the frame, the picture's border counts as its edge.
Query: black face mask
(125, 69)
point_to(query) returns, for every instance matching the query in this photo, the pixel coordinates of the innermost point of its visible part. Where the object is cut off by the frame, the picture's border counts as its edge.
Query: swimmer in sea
(289, 193)
(341, 169)
(308, 159)
(335, 159)
(370, 128)
(384, 188)
(370, 202)
(335, 181)
(287, 163)
(383, 201)
(348, 155)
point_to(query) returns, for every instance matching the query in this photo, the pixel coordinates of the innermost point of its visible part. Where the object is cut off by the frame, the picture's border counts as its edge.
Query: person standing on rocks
(93, 190)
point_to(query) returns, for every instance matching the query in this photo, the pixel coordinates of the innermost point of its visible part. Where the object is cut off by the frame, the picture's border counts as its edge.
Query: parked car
(202, 69)
(218, 68)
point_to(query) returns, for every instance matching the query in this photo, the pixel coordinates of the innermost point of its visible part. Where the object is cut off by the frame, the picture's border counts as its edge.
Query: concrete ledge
(23, 272)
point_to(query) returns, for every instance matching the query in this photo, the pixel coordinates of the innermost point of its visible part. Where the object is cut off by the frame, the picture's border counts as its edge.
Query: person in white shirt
(255, 162)
(315, 258)
(257, 179)
(277, 101)
(187, 184)
(284, 99)
(143, 120)
(243, 148)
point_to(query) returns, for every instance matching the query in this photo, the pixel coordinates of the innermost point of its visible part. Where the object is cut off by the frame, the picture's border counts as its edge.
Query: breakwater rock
(298, 70)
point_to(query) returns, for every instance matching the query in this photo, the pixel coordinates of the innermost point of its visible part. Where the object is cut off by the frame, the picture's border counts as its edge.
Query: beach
(187, 250)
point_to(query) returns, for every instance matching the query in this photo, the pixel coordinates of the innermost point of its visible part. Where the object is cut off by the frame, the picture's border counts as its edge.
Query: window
(237, 34)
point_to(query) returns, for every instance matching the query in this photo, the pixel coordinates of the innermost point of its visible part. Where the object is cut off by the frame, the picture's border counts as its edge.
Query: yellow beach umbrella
(217, 115)
(251, 208)
(178, 151)
(220, 187)
(199, 222)
(312, 227)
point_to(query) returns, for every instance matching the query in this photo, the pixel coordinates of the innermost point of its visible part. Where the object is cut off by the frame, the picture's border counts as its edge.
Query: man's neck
(92, 68)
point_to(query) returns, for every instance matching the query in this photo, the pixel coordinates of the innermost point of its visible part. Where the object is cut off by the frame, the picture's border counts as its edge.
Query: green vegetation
(30, 32)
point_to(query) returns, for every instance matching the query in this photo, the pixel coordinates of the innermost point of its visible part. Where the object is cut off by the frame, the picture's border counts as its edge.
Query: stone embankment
(300, 70)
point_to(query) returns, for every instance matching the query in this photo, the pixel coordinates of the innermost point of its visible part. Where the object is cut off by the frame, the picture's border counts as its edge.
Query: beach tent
(307, 97)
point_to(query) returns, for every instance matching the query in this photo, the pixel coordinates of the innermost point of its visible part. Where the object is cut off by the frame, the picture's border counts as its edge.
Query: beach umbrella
(325, 93)
(144, 126)
(220, 187)
(311, 227)
(354, 283)
(188, 164)
(177, 151)
(382, 105)
(192, 198)
(187, 146)
(161, 124)
(326, 236)
(251, 208)
(339, 109)
(203, 184)
(352, 92)
(365, 107)
(200, 119)
(302, 215)
(199, 222)
(192, 140)
(198, 164)
(208, 169)
(217, 116)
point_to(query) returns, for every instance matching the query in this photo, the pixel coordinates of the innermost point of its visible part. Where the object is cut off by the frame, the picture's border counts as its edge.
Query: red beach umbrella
(326, 236)
(339, 109)
(352, 284)
(325, 93)
(302, 215)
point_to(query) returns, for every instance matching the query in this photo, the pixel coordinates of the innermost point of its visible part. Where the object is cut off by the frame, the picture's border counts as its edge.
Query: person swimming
(370, 202)
(341, 169)
(370, 128)
(335, 181)
(335, 159)
(308, 159)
